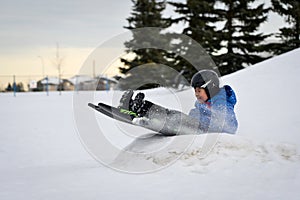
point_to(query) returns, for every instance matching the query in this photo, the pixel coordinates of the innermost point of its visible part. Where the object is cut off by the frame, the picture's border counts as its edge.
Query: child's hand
(137, 105)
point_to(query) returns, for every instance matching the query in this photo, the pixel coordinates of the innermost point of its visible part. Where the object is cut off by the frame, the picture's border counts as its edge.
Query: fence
(23, 81)
(35, 83)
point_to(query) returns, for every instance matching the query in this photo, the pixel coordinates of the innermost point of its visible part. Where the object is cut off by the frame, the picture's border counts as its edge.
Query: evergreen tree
(146, 13)
(290, 35)
(20, 87)
(243, 43)
(9, 88)
(201, 17)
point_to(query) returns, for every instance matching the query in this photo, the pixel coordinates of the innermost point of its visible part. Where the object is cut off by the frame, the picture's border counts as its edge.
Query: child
(214, 107)
(213, 112)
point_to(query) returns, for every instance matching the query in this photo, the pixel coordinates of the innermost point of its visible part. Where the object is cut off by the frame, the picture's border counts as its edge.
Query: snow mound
(201, 153)
(231, 151)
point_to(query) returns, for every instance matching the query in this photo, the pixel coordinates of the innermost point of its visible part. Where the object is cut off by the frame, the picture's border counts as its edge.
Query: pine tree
(200, 16)
(9, 88)
(243, 43)
(290, 35)
(146, 13)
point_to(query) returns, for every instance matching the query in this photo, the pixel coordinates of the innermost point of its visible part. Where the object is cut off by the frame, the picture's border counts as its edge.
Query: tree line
(228, 31)
(17, 87)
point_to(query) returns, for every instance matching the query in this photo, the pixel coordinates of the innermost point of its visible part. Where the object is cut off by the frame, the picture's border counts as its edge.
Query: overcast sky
(30, 30)
(27, 23)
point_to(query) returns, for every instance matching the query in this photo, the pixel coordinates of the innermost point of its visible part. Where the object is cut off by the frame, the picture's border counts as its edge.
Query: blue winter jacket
(217, 114)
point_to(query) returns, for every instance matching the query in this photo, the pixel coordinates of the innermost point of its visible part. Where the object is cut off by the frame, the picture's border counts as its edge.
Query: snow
(80, 78)
(268, 106)
(51, 80)
(44, 155)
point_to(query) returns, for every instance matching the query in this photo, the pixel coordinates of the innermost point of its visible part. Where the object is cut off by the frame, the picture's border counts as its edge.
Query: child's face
(201, 95)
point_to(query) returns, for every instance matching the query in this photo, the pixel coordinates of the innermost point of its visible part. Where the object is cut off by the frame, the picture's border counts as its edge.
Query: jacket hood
(226, 94)
(230, 95)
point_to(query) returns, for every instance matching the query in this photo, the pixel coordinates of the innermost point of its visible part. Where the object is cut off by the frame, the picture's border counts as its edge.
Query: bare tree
(58, 64)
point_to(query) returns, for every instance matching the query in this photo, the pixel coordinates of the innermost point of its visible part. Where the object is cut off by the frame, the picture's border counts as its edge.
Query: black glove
(126, 101)
(141, 106)
(137, 105)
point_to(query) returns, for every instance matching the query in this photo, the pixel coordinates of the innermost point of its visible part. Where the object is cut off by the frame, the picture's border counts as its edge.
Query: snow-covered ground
(42, 151)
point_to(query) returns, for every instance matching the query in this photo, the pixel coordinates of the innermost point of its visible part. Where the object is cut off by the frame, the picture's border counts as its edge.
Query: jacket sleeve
(202, 114)
(223, 118)
(194, 113)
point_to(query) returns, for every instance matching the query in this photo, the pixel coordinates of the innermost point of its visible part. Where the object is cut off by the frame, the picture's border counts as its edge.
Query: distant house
(83, 82)
(53, 84)
(67, 85)
(48, 82)
(105, 83)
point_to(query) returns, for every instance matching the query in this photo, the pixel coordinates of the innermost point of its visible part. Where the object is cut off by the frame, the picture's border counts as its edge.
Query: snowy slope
(268, 99)
(42, 156)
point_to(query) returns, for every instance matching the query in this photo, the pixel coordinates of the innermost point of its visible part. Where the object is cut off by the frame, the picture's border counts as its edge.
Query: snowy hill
(268, 106)
(42, 156)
